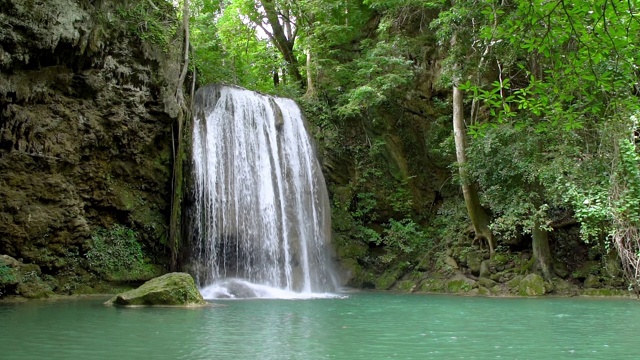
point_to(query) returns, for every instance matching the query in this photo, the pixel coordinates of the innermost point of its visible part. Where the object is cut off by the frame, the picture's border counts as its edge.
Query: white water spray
(261, 217)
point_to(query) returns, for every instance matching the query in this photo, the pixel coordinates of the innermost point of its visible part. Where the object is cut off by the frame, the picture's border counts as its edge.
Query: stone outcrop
(86, 107)
(173, 289)
(21, 279)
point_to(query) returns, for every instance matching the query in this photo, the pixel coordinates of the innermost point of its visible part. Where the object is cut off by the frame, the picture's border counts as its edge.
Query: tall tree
(278, 21)
(477, 213)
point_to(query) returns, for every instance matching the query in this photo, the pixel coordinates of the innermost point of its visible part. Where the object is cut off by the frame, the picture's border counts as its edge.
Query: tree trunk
(279, 38)
(311, 90)
(478, 215)
(541, 251)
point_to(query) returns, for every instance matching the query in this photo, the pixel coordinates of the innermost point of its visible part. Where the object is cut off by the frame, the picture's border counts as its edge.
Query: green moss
(604, 292)
(350, 249)
(358, 276)
(483, 291)
(501, 259)
(457, 286)
(406, 285)
(432, 285)
(386, 281)
(532, 285)
(174, 289)
(515, 282)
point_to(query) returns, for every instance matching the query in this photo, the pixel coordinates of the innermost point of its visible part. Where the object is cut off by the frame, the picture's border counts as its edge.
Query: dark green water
(362, 326)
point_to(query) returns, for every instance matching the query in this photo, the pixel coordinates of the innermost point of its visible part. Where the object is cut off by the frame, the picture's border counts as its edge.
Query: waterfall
(260, 219)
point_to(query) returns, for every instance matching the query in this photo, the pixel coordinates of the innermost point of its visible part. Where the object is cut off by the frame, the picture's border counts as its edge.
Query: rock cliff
(87, 101)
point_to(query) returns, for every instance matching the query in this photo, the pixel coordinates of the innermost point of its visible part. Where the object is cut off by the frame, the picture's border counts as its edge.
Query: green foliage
(404, 236)
(115, 251)
(6, 274)
(154, 24)
(627, 205)
(377, 74)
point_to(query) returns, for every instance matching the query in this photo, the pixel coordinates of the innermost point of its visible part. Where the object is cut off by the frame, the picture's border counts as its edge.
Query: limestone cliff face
(86, 108)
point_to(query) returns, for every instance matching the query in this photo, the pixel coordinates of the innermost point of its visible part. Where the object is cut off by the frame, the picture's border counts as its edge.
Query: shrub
(114, 251)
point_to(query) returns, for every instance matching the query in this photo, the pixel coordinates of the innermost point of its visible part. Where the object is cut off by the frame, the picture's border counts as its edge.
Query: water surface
(362, 326)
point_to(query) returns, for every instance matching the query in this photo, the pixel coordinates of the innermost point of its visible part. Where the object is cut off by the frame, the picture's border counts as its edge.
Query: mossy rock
(21, 279)
(485, 269)
(532, 285)
(474, 260)
(354, 274)
(487, 283)
(459, 284)
(500, 259)
(564, 288)
(432, 285)
(560, 269)
(604, 292)
(34, 289)
(451, 262)
(386, 280)
(588, 268)
(514, 283)
(592, 281)
(351, 249)
(173, 289)
(406, 285)
(483, 291)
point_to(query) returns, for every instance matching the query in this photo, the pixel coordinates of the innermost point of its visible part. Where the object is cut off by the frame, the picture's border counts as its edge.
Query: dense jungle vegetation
(490, 138)
(543, 97)
(544, 101)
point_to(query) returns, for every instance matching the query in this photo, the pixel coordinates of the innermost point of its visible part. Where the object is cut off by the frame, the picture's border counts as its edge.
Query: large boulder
(532, 285)
(173, 289)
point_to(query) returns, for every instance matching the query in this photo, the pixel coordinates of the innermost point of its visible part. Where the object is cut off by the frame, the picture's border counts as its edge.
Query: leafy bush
(114, 251)
(6, 275)
(401, 237)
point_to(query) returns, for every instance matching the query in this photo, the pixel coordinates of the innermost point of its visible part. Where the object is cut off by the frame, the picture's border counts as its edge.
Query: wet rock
(173, 289)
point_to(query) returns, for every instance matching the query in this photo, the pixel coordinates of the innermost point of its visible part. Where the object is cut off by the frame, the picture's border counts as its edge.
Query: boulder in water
(173, 289)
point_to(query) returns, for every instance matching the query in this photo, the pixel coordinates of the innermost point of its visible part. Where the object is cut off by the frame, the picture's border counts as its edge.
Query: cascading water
(261, 218)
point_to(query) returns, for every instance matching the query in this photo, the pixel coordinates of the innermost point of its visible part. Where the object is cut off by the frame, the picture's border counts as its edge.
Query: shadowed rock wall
(86, 108)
